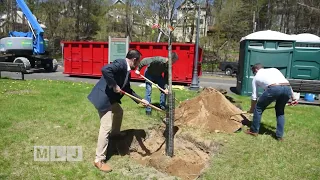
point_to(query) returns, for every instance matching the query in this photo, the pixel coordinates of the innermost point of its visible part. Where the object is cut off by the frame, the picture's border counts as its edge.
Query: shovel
(239, 114)
(133, 97)
(248, 112)
(271, 107)
(157, 86)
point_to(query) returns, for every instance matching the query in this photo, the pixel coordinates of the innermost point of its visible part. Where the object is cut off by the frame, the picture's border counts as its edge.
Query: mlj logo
(57, 153)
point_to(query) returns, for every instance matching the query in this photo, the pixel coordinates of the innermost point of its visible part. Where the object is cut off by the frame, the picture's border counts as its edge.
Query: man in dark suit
(106, 96)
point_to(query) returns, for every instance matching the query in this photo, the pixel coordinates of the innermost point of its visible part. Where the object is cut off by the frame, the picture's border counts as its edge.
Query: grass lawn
(57, 113)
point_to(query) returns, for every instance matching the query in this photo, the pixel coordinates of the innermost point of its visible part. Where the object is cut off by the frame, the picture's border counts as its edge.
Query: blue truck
(28, 48)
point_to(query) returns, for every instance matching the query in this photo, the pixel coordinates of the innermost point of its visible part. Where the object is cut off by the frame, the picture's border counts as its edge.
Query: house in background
(186, 21)
(118, 12)
(135, 20)
(118, 2)
(12, 20)
(15, 22)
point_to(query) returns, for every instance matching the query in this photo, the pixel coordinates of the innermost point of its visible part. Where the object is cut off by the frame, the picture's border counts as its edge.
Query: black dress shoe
(148, 113)
(119, 135)
(279, 139)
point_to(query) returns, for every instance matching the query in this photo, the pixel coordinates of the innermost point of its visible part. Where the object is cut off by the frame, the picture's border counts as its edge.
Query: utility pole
(170, 112)
(195, 78)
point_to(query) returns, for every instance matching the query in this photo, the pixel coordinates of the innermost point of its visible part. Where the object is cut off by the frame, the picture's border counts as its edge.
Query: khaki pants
(110, 124)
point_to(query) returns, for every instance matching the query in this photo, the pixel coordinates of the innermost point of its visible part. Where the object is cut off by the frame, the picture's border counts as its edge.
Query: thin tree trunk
(128, 22)
(192, 27)
(8, 15)
(184, 30)
(206, 18)
(77, 27)
(296, 19)
(281, 7)
(287, 16)
(268, 26)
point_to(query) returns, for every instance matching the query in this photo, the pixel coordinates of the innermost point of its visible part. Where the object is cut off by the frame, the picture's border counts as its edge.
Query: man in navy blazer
(106, 96)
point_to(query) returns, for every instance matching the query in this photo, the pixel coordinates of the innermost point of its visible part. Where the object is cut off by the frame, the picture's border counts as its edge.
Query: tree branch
(309, 7)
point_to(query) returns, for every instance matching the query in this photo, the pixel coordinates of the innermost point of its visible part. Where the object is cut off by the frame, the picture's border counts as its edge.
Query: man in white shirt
(276, 88)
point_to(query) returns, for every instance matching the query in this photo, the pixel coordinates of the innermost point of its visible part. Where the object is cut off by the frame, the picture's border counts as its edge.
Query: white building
(138, 21)
(186, 21)
(19, 21)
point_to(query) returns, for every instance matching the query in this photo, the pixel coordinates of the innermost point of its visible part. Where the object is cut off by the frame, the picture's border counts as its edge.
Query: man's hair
(174, 56)
(134, 54)
(256, 66)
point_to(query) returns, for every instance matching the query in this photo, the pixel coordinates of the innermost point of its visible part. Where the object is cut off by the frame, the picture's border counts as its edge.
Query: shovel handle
(239, 114)
(152, 82)
(133, 97)
(156, 85)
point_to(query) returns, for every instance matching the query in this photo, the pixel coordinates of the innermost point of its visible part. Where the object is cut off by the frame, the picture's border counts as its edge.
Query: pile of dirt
(191, 155)
(212, 111)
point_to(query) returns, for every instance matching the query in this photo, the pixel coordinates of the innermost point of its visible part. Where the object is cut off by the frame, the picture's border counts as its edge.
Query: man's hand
(253, 105)
(293, 102)
(137, 72)
(145, 102)
(250, 111)
(166, 91)
(117, 89)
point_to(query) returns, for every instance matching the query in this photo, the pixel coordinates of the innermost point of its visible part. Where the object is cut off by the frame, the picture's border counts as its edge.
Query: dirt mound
(148, 148)
(212, 111)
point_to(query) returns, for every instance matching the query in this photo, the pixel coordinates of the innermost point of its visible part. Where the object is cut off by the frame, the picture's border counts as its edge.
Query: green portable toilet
(305, 67)
(306, 57)
(270, 48)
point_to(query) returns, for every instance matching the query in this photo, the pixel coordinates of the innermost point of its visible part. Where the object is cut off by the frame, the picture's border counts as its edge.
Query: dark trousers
(280, 94)
(161, 82)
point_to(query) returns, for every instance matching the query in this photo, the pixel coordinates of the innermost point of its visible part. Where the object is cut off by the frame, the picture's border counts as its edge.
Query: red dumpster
(87, 58)
(84, 58)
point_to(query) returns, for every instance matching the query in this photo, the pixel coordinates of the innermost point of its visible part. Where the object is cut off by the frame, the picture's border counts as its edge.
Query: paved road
(215, 81)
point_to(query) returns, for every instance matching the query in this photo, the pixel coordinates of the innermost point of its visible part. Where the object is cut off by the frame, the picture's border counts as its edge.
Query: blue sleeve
(109, 72)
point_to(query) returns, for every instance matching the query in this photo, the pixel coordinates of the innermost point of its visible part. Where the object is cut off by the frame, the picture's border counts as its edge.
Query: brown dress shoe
(102, 166)
(251, 133)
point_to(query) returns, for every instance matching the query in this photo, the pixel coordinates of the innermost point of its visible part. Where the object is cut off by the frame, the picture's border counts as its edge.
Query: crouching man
(278, 89)
(156, 66)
